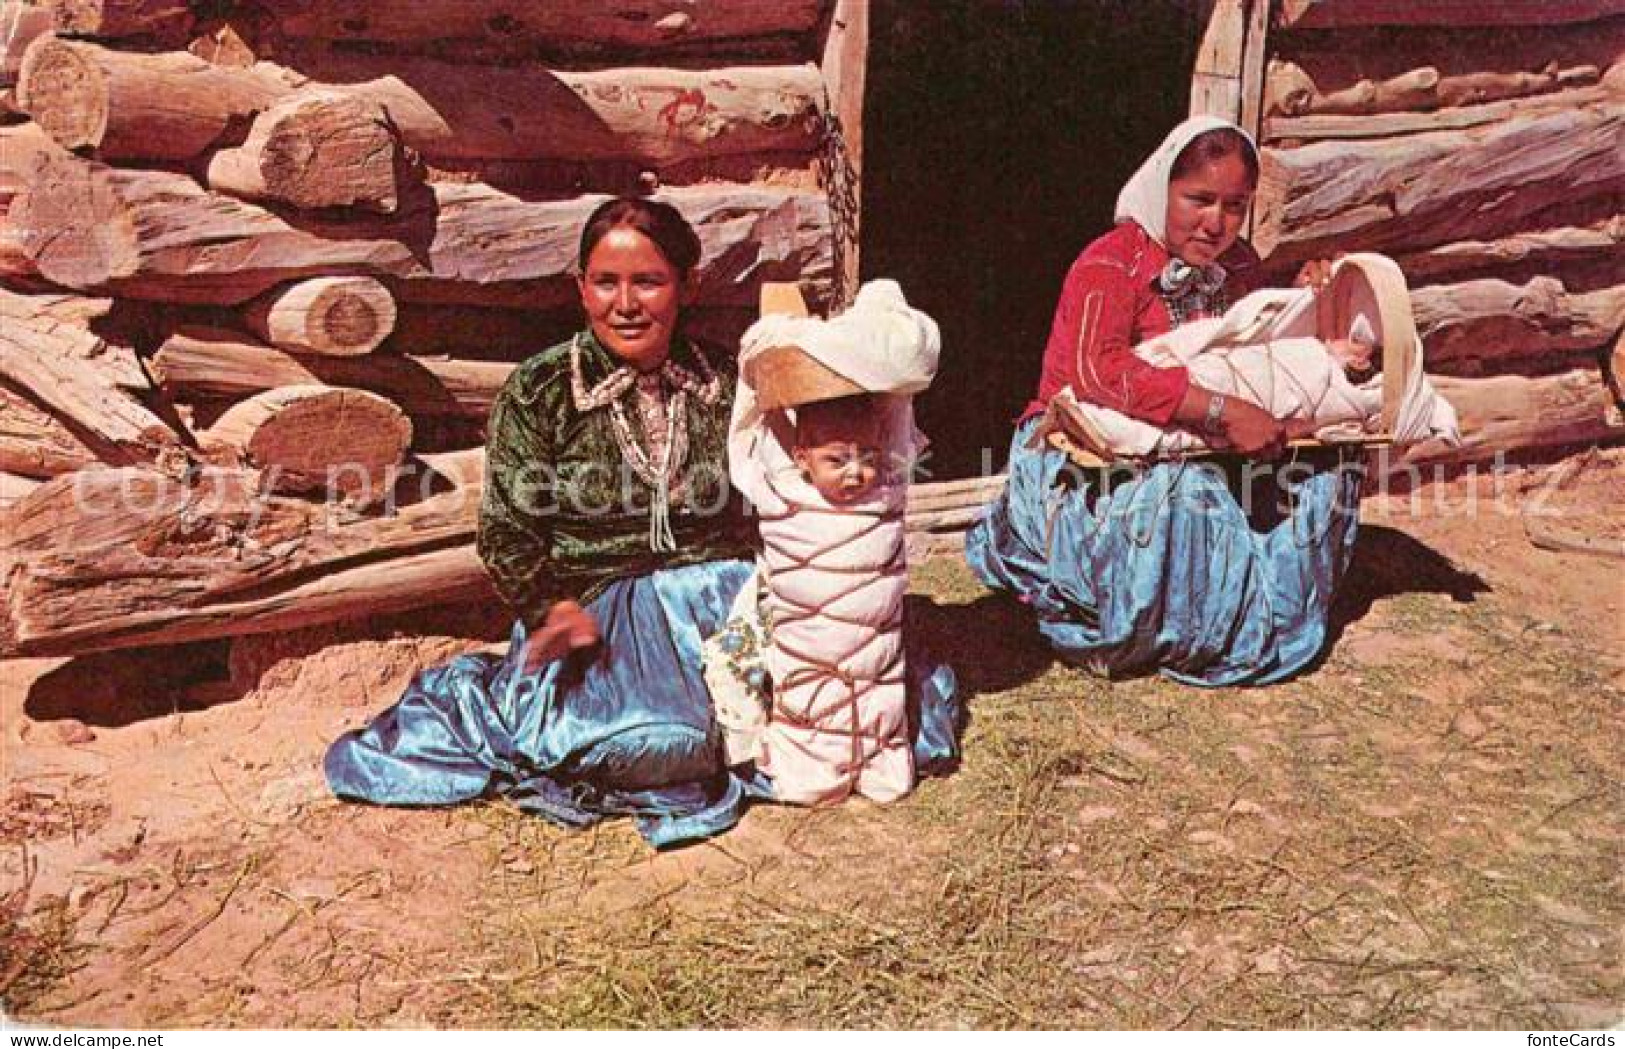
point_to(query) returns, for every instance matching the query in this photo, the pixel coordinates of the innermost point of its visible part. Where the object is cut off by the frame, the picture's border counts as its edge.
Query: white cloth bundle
(1266, 350)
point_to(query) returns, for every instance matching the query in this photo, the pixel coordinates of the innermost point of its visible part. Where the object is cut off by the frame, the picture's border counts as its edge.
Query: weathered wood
(304, 439)
(13, 488)
(1386, 125)
(1216, 76)
(62, 324)
(647, 28)
(163, 21)
(1422, 190)
(128, 105)
(20, 25)
(201, 362)
(1289, 91)
(1468, 325)
(57, 365)
(944, 519)
(317, 149)
(1339, 60)
(1556, 251)
(1344, 14)
(1254, 52)
(22, 146)
(114, 558)
(339, 316)
(1511, 413)
(33, 443)
(1292, 93)
(844, 71)
(657, 117)
(174, 106)
(80, 312)
(156, 235)
(111, 558)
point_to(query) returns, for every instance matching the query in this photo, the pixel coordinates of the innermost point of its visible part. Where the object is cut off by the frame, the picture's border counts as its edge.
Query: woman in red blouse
(1199, 571)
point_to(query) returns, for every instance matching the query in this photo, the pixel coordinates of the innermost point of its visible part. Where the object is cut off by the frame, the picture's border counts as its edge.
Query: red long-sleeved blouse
(1108, 305)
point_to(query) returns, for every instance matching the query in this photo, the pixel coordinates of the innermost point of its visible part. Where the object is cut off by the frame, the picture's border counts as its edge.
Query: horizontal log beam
(1347, 14)
(114, 558)
(1512, 413)
(1476, 323)
(1292, 92)
(1418, 191)
(100, 560)
(157, 235)
(160, 21)
(656, 117)
(212, 364)
(647, 28)
(318, 149)
(130, 105)
(1558, 252)
(175, 106)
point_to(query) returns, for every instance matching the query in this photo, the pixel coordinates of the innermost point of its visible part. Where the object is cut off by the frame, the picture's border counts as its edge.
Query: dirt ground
(1424, 831)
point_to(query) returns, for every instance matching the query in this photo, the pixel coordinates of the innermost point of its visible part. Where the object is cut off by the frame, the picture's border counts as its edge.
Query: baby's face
(843, 471)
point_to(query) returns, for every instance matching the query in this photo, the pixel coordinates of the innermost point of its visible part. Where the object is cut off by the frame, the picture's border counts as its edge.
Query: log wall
(1480, 145)
(263, 267)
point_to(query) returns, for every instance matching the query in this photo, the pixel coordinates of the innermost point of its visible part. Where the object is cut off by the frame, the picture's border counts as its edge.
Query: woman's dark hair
(1210, 146)
(655, 219)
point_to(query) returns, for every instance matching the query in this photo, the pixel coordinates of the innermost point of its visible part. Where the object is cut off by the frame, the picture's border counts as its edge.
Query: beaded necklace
(658, 465)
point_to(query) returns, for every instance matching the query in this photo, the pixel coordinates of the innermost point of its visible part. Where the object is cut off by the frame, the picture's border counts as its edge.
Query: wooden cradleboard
(1077, 438)
(785, 376)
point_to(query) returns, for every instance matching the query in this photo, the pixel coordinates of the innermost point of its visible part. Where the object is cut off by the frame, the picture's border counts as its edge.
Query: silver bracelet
(1215, 412)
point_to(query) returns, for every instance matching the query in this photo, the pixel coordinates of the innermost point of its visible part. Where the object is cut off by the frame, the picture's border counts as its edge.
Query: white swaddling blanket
(1265, 350)
(836, 576)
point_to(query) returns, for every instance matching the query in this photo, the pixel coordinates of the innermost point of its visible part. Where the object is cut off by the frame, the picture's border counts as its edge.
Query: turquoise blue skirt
(622, 729)
(1208, 574)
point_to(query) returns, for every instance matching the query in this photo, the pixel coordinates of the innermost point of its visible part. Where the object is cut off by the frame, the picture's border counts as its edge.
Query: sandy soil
(169, 855)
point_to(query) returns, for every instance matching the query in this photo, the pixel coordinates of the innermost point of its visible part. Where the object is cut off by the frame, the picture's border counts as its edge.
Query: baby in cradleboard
(822, 445)
(1305, 357)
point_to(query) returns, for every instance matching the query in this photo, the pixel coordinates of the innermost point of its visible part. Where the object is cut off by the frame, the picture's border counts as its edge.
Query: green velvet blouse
(563, 515)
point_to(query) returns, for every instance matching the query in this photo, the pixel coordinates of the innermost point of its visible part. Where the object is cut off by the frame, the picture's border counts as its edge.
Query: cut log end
(316, 438)
(71, 223)
(65, 92)
(318, 150)
(338, 316)
(350, 322)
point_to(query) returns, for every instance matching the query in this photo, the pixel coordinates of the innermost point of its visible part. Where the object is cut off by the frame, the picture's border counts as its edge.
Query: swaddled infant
(835, 572)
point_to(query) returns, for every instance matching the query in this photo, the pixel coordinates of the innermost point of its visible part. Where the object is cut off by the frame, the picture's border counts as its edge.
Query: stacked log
(342, 226)
(1480, 145)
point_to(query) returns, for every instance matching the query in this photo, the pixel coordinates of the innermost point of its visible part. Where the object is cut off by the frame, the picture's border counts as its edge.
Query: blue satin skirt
(623, 728)
(1211, 575)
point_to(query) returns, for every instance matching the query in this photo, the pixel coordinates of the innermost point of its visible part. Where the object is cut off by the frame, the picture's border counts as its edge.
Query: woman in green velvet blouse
(609, 526)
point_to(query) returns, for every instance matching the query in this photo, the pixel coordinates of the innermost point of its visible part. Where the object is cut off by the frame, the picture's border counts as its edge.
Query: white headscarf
(1145, 196)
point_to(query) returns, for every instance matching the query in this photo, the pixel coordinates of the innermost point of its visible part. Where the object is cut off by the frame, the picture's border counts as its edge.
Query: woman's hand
(1251, 430)
(568, 627)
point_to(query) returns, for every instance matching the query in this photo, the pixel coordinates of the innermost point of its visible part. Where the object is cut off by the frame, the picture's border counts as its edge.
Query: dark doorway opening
(996, 136)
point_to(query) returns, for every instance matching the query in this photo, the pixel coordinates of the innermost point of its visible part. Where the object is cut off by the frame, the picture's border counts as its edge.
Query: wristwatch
(1215, 412)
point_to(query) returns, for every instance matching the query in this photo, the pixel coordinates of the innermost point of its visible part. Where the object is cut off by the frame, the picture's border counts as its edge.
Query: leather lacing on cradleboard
(835, 704)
